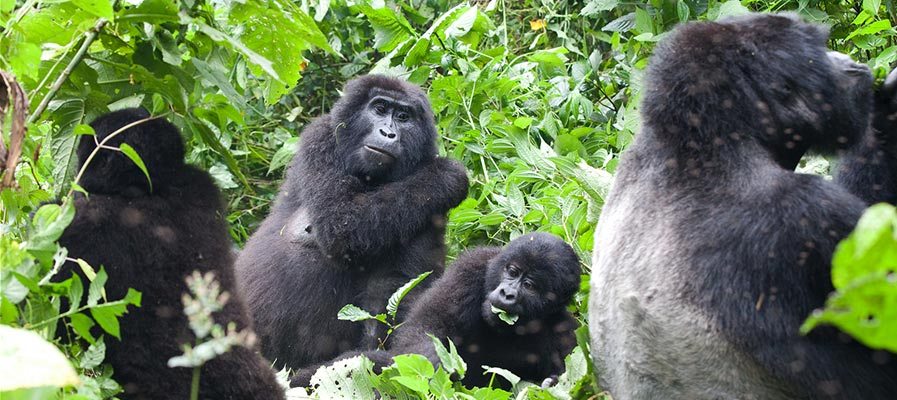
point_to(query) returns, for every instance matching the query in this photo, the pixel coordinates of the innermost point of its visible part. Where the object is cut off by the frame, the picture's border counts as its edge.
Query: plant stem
(194, 386)
(90, 36)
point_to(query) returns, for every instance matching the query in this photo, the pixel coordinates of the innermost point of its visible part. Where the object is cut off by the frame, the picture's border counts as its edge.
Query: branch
(90, 36)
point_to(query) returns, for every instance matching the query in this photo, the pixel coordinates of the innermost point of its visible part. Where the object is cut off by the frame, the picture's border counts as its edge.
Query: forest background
(536, 97)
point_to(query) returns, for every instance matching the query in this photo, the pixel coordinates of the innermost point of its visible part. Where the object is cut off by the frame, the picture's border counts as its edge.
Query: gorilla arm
(350, 218)
(822, 360)
(869, 169)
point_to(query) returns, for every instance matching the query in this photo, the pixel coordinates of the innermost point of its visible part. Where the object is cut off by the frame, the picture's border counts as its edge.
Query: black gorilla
(150, 240)
(533, 277)
(361, 212)
(711, 251)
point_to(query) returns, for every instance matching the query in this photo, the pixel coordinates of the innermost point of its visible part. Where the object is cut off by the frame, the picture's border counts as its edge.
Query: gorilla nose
(508, 296)
(387, 133)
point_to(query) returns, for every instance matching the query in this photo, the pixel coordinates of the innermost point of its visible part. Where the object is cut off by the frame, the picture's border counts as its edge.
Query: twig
(90, 36)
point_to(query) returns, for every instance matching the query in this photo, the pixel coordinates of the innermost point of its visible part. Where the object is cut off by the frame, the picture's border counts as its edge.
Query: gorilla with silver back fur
(711, 251)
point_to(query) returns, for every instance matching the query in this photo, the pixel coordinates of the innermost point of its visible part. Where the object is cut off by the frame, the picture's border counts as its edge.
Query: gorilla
(361, 212)
(533, 277)
(150, 237)
(711, 251)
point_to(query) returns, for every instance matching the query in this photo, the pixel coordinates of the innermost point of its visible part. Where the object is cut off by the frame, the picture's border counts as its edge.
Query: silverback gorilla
(711, 251)
(361, 212)
(534, 277)
(150, 239)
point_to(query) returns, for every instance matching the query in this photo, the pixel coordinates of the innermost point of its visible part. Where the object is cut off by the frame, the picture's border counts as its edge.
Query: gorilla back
(150, 240)
(710, 250)
(361, 212)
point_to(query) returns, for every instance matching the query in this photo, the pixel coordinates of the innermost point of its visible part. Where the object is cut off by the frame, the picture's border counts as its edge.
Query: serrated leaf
(76, 291)
(94, 355)
(622, 24)
(82, 325)
(96, 289)
(392, 306)
(134, 157)
(390, 28)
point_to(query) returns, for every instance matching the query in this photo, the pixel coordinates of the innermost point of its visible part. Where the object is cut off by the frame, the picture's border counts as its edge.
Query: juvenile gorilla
(533, 277)
(150, 240)
(711, 251)
(361, 212)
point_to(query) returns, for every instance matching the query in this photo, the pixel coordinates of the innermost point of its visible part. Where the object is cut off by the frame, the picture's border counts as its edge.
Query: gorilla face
(534, 276)
(387, 137)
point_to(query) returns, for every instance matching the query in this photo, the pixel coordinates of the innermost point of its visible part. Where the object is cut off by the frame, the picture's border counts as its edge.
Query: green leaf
(49, 223)
(107, 315)
(96, 289)
(82, 325)
(871, 6)
(392, 306)
(505, 316)
(871, 29)
(414, 383)
(594, 7)
(351, 312)
(283, 155)
(449, 358)
(94, 355)
(523, 122)
(152, 11)
(279, 32)
(415, 372)
(460, 26)
(682, 11)
(510, 376)
(100, 8)
(76, 291)
(133, 156)
(390, 28)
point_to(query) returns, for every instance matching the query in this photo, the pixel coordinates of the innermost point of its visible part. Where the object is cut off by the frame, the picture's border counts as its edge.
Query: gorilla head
(384, 128)
(156, 141)
(534, 276)
(802, 97)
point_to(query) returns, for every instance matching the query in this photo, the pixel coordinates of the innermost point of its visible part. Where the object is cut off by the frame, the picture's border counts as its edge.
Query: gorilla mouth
(380, 152)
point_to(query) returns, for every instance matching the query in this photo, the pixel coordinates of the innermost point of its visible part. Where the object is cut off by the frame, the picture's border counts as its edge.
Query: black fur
(711, 251)
(347, 228)
(151, 242)
(458, 306)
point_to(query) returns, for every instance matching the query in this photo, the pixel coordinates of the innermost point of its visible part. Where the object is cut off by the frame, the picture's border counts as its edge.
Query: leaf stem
(90, 36)
(194, 386)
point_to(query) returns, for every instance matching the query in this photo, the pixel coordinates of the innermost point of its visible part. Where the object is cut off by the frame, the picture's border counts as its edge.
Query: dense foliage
(536, 97)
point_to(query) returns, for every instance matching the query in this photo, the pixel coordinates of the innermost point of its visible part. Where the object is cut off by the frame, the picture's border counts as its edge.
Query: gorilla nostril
(391, 135)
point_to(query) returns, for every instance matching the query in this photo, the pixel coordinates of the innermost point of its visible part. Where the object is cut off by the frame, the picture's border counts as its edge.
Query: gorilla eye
(380, 108)
(513, 271)
(528, 284)
(402, 116)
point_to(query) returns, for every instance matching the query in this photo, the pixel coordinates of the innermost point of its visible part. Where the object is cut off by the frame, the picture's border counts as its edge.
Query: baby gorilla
(150, 238)
(533, 277)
